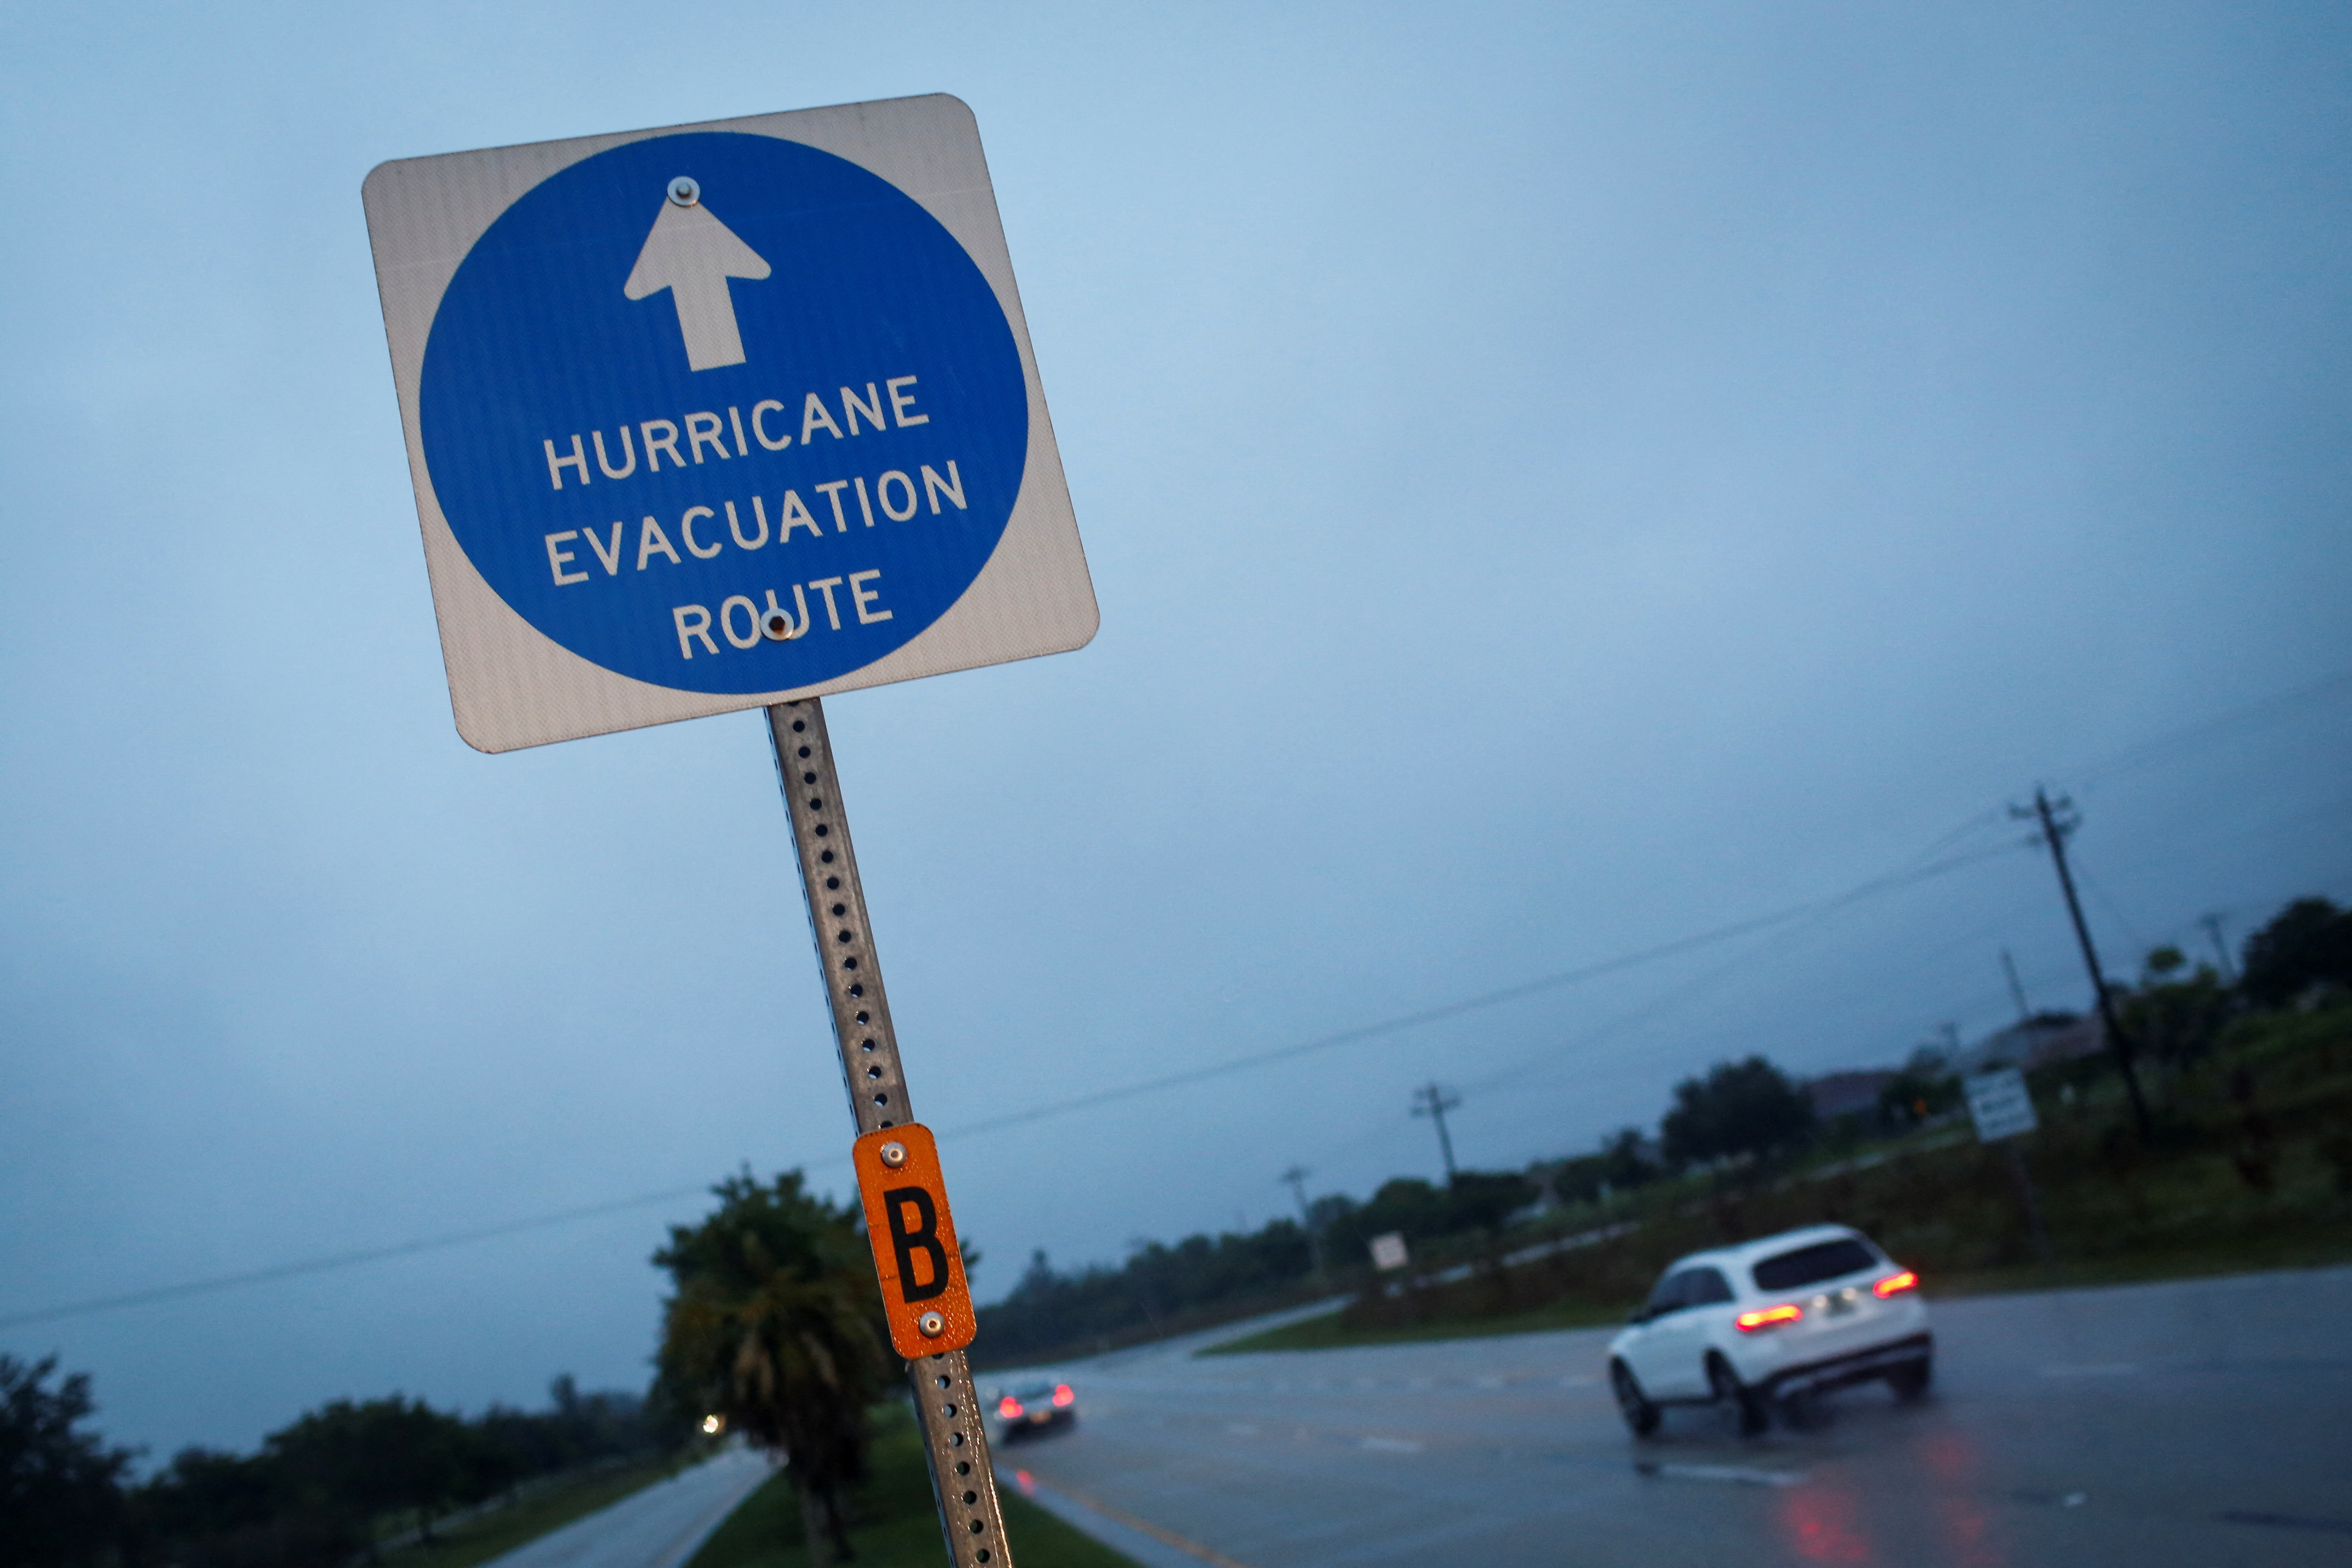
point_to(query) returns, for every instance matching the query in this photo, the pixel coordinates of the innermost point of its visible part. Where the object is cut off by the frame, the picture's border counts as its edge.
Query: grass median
(2248, 1167)
(2221, 1255)
(894, 1522)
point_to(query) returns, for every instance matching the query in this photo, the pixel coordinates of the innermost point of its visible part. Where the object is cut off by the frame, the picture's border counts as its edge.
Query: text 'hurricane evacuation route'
(648, 438)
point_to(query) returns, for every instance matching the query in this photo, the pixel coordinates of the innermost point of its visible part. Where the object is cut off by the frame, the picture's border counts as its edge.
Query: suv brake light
(1894, 1284)
(1009, 1408)
(1768, 1317)
(1062, 1394)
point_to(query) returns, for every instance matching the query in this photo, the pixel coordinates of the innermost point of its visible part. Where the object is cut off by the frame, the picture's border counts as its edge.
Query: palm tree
(777, 1326)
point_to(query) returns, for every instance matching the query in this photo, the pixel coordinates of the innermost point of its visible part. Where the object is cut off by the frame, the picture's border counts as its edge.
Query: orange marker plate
(915, 1253)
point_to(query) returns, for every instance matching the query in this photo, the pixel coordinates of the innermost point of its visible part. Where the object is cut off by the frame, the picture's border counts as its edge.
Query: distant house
(1847, 1093)
(2043, 1039)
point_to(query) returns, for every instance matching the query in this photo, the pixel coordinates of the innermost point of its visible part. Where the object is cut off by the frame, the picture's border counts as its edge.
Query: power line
(993, 1124)
(1386, 1026)
(1590, 1039)
(2147, 753)
(1793, 928)
(343, 1260)
(2223, 727)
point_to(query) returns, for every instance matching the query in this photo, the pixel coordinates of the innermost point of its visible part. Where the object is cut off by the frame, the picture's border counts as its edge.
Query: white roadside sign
(2000, 1105)
(721, 415)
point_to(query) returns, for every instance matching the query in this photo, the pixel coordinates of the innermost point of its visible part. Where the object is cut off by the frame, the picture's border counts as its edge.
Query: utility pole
(2008, 967)
(2053, 834)
(2212, 924)
(1296, 1176)
(1432, 1101)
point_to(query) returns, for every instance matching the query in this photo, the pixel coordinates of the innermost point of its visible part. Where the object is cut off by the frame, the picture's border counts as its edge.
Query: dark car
(1032, 1409)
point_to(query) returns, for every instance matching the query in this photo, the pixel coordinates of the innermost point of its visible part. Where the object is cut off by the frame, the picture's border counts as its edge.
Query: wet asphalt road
(659, 1527)
(2205, 1421)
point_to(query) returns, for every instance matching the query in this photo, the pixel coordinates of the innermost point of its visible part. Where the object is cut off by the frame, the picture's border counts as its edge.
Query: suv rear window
(1811, 1265)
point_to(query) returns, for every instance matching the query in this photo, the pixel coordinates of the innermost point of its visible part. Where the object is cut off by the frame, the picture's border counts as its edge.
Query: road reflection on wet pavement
(2192, 1421)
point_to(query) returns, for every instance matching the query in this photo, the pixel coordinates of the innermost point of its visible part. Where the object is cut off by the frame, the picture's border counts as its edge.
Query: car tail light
(1009, 1408)
(1768, 1317)
(1896, 1284)
(1062, 1394)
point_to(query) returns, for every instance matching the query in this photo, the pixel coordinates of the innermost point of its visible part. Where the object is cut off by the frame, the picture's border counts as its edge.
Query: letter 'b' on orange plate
(923, 1288)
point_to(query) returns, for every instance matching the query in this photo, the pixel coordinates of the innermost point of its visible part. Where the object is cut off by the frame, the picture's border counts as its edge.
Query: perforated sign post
(735, 415)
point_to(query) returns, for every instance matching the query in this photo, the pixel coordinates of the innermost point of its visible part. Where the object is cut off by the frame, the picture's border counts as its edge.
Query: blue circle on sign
(695, 381)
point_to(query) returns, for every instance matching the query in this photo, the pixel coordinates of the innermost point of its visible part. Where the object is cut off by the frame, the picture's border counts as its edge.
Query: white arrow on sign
(692, 254)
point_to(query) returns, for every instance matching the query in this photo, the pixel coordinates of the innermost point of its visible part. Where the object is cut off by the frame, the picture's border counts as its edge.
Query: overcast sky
(1557, 480)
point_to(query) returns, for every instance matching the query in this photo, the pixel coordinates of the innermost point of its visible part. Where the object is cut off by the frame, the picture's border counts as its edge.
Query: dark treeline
(1738, 1116)
(322, 1490)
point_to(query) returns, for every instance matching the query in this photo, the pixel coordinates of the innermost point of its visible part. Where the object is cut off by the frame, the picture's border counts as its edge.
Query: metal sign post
(955, 1438)
(737, 416)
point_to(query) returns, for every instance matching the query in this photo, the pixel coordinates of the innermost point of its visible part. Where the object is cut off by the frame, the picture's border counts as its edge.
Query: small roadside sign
(720, 415)
(924, 1292)
(2000, 1105)
(1388, 1251)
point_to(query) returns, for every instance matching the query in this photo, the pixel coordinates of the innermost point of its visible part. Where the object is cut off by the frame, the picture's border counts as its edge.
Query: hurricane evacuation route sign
(718, 416)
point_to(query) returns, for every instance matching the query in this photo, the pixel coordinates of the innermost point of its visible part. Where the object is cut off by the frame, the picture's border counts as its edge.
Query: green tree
(1421, 1210)
(2173, 1018)
(776, 1326)
(319, 1489)
(209, 1507)
(355, 1462)
(1619, 1165)
(2308, 943)
(1738, 1107)
(1623, 1163)
(60, 1488)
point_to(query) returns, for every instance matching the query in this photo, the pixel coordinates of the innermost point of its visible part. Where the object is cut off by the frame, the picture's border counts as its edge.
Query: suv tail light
(1062, 1394)
(1769, 1317)
(1894, 1284)
(1009, 1408)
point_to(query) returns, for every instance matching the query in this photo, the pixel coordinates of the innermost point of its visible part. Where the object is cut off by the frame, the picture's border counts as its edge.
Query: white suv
(1772, 1320)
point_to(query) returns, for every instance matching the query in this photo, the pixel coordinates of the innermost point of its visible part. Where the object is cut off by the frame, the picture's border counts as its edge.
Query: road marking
(1392, 1444)
(2093, 1369)
(1737, 1475)
(2286, 1520)
(1165, 1537)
